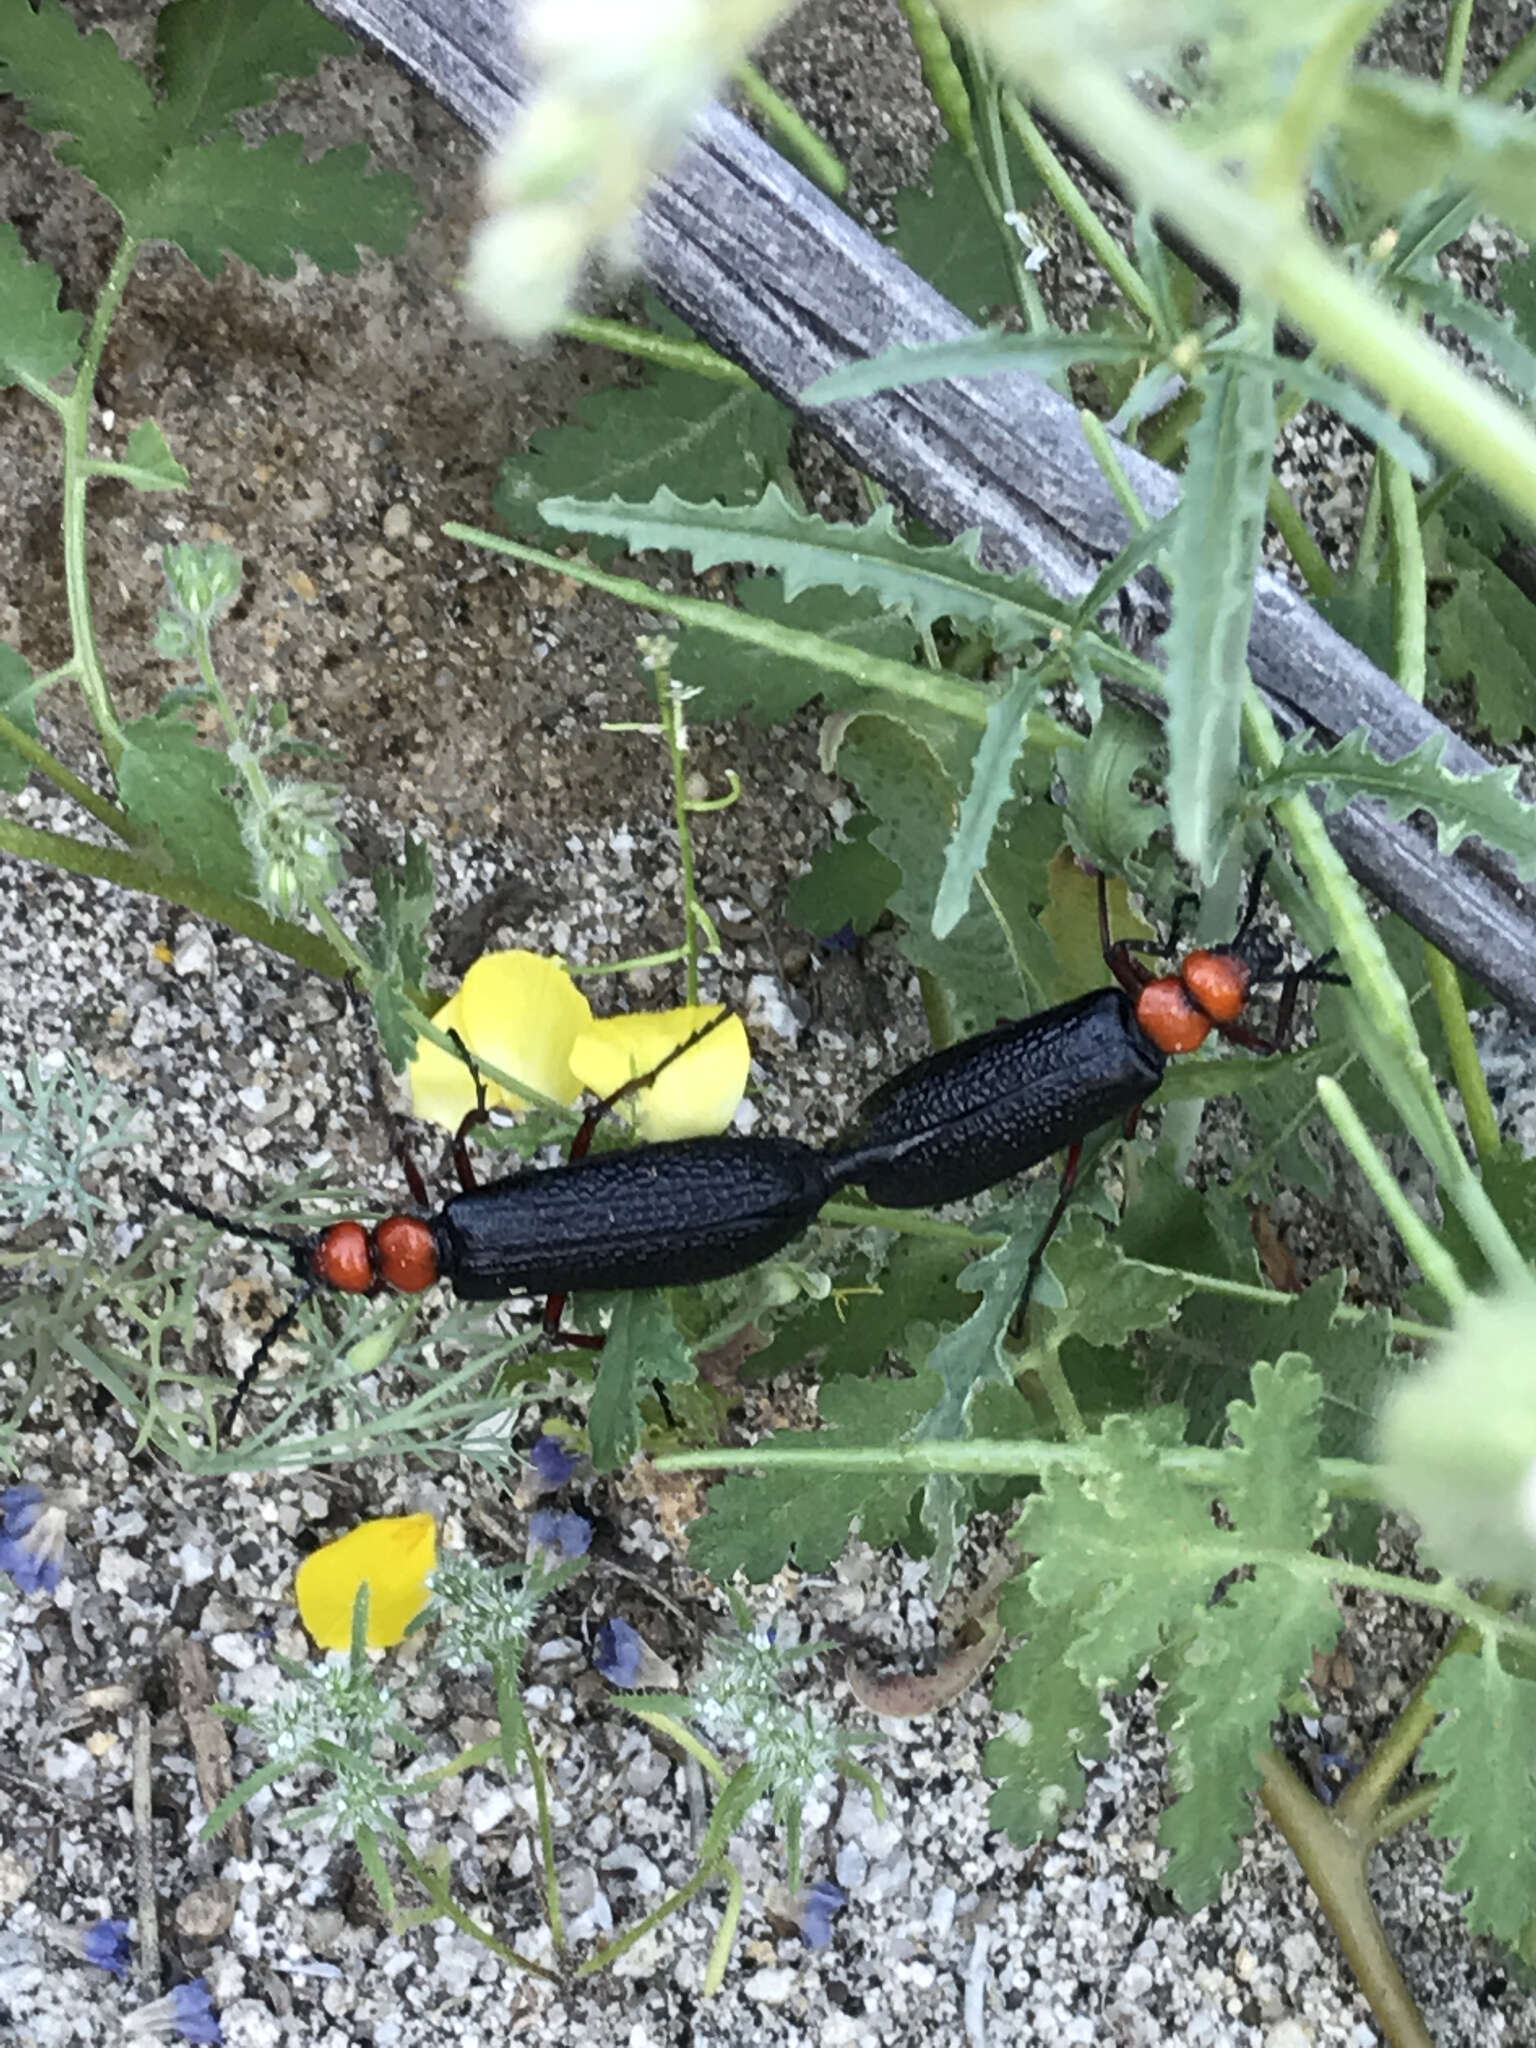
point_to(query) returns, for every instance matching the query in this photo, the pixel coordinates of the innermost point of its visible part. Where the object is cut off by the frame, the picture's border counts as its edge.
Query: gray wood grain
(773, 274)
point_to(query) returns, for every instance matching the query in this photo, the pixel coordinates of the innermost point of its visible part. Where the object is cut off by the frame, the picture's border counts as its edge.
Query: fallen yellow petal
(696, 1096)
(519, 1010)
(392, 1556)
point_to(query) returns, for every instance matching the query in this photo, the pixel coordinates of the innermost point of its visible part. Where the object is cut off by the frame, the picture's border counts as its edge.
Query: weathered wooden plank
(772, 273)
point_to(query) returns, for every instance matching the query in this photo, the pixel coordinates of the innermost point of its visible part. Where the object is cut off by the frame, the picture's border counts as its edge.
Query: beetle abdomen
(668, 1215)
(985, 1109)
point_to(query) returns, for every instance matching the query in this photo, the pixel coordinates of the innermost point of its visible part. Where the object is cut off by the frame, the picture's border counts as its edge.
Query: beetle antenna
(256, 1232)
(273, 1335)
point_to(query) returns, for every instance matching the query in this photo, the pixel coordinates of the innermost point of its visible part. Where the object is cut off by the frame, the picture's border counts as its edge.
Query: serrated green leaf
(147, 462)
(1401, 135)
(848, 884)
(925, 584)
(643, 1345)
(1489, 805)
(216, 56)
(174, 785)
(991, 785)
(265, 203)
(1215, 556)
(1039, 1768)
(1483, 1753)
(626, 442)
(1276, 1496)
(1107, 1297)
(1129, 1547)
(79, 85)
(1250, 1650)
(1486, 629)
(38, 339)
(948, 237)
(756, 1525)
(989, 354)
(18, 701)
(768, 686)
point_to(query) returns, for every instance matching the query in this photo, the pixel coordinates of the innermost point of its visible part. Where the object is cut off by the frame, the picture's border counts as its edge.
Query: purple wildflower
(31, 1539)
(105, 1943)
(187, 2011)
(619, 1652)
(556, 1537)
(822, 1900)
(552, 1462)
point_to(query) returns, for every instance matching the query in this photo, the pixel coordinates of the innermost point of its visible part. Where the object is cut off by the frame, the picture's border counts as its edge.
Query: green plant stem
(1101, 447)
(1333, 1860)
(1471, 1081)
(1163, 436)
(445, 1903)
(1077, 208)
(1005, 212)
(1311, 107)
(792, 133)
(1045, 1361)
(601, 1958)
(675, 732)
(1434, 1262)
(1297, 535)
(76, 416)
(1362, 567)
(901, 679)
(1363, 1800)
(941, 74)
(666, 351)
(518, 1737)
(909, 1223)
(101, 808)
(1410, 627)
(126, 871)
(1456, 30)
(1410, 601)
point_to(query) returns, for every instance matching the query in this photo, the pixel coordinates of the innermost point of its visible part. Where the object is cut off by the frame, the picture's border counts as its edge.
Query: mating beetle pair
(696, 1209)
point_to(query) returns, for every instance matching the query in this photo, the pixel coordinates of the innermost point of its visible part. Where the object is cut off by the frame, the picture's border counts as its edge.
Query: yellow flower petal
(696, 1096)
(523, 1012)
(516, 1009)
(441, 1089)
(392, 1557)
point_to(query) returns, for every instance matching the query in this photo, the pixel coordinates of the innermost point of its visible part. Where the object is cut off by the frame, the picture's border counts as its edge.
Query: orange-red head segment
(1217, 983)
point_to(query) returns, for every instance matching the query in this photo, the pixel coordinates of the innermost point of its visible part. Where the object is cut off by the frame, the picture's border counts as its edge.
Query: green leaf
(18, 701)
(1486, 629)
(901, 778)
(79, 85)
(991, 785)
(643, 1345)
(170, 782)
(926, 584)
(948, 237)
(1483, 1754)
(990, 354)
(1216, 553)
(1105, 1296)
(1039, 1767)
(395, 946)
(1489, 805)
(1509, 1182)
(266, 203)
(721, 440)
(1403, 135)
(1108, 819)
(756, 1525)
(873, 1313)
(216, 56)
(1492, 334)
(38, 340)
(147, 462)
(848, 883)
(768, 685)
